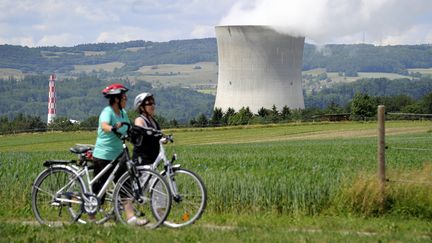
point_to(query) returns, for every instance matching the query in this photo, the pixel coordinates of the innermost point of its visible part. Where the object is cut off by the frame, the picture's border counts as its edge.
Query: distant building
(258, 67)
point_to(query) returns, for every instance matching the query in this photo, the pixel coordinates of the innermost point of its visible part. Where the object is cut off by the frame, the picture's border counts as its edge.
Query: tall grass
(297, 177)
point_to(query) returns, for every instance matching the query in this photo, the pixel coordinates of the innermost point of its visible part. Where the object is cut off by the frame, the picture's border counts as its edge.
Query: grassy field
(313, 84)
(291, 182)
(336, 78)
(5, 73)
(199, 76)
(421, 70)
(109, 67)
(94, 53)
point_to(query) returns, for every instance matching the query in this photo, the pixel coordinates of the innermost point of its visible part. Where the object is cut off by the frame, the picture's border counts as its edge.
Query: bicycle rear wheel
(56, 197)
(154, 201)
(189, 198)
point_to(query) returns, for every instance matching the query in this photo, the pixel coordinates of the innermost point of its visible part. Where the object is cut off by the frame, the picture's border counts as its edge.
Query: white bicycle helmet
(140, 98)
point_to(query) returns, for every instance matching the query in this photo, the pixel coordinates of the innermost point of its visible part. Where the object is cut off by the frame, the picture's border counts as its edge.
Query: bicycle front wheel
(150, 206)
(189, 198)
(56, 197)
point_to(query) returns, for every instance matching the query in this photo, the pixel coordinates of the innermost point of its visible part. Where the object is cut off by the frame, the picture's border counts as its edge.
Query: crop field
(290, 182)
(421, 70)
(341, 79)
(199, 76)
(109, 67)
(6, 73)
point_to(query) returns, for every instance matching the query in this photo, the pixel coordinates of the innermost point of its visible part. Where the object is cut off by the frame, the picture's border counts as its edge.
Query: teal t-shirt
(108, 145)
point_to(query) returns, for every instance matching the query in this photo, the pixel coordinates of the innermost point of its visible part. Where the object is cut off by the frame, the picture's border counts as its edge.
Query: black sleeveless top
(146, 144)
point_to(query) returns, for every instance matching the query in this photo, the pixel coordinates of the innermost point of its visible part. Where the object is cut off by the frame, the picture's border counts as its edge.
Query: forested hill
(367, 58)
(135, 54)
(82, 98)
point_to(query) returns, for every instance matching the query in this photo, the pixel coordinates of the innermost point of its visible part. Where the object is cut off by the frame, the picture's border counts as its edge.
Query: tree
(228, 114)
(362, 106)
(333, 108)
(217, 117)
(274, 114)
(174, 123)
(242, 117)
(202, 120)
(263, 112)
(62, 124)
(394, 103)
(192, 122)
(426, 103)
(286, 113)
(90, 123)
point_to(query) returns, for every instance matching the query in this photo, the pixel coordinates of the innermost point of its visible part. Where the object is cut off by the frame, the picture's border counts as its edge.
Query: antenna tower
(51, 99)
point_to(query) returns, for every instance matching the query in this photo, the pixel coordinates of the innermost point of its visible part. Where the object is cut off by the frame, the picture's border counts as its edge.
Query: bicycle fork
(172, 183)
(136, 185)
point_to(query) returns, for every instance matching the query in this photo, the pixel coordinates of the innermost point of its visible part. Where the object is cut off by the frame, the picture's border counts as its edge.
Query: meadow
(288, 182)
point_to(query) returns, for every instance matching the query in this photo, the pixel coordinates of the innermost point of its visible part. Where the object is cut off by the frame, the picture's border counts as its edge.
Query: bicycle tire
(46, 194)
(156, 203)
(193, 198)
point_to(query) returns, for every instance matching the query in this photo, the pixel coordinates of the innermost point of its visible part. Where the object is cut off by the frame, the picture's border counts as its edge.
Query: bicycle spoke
(144, 209)
(192, 200)
(52, 197)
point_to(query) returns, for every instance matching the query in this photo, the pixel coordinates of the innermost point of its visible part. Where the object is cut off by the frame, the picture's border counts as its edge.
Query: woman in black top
(146, 145)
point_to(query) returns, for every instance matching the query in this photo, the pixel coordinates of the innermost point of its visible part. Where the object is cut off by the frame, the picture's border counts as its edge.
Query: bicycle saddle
(81, 148)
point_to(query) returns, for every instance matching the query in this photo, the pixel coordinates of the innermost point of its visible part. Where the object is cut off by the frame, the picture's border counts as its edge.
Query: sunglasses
(149, 104)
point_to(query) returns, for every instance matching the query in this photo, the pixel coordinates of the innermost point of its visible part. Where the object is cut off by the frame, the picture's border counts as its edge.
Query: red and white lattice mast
(51, 99)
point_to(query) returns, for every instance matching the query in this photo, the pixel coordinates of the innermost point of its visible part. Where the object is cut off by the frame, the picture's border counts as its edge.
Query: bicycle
(187, 188)
(60, 195)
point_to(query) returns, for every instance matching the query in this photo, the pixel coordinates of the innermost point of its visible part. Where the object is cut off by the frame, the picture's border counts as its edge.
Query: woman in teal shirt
(108, 146)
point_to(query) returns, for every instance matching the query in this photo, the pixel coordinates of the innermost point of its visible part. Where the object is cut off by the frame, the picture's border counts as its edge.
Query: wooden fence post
(381, 153)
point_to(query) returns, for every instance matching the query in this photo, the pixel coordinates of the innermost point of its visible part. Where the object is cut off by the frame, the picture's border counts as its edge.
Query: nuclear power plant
(258, 67)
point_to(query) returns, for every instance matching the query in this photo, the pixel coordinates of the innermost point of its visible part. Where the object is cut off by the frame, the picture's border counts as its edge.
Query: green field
(290, 182)
(108, 67)
(198, 76)
(6, 73)
(421, 70)
(335, 78)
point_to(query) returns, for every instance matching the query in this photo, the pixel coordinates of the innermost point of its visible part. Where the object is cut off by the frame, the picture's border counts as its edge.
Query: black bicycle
(62, 193)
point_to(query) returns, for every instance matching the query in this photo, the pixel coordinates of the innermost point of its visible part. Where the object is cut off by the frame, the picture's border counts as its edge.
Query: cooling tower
(258, 67)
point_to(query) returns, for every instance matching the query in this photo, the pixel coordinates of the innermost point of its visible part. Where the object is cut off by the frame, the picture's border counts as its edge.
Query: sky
(72, 22)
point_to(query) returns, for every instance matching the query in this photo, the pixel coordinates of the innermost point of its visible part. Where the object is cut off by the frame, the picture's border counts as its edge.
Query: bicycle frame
(168, 166)
(84, 171)
(110, 179)
(81, 172)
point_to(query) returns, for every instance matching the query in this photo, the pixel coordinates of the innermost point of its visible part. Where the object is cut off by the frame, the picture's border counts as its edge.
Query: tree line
(79, 98)
(361, 107)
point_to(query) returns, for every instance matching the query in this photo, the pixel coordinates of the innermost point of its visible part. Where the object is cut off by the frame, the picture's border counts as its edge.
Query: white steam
(345, 21)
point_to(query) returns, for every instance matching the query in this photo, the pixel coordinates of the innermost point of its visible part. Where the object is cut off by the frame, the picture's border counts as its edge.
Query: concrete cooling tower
(258, 67)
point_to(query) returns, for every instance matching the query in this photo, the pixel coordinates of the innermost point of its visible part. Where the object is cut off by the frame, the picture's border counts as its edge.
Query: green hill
(187, 66)
(80, 98)
(135, 54)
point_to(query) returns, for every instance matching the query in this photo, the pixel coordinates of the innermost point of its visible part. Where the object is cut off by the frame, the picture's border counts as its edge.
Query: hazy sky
(72, 22)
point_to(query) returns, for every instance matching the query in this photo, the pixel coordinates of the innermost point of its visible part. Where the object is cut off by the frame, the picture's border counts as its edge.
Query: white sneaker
(136, 221)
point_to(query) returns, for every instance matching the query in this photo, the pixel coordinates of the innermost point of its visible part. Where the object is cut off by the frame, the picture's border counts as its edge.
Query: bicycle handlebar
(155, 132)
(121, 136)
(167, 138)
